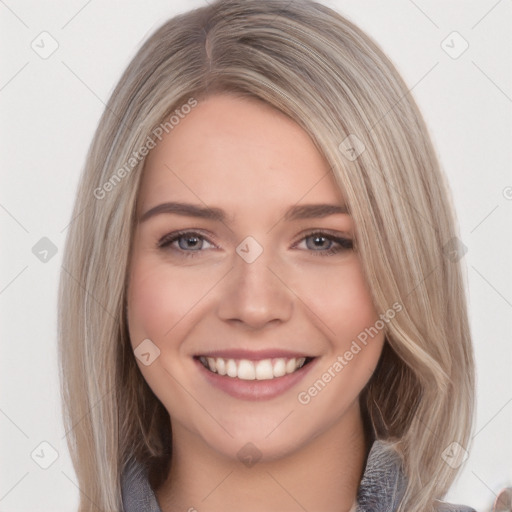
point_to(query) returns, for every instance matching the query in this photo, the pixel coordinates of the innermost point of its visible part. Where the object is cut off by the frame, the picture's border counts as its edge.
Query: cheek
(343, 303)
(158, 299)
(146, 294)
(341, 299)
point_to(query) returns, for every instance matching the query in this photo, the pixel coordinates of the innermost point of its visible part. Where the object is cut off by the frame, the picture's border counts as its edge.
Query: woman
(262, 305)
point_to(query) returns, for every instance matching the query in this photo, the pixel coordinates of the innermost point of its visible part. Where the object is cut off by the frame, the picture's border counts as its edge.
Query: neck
(324, 474)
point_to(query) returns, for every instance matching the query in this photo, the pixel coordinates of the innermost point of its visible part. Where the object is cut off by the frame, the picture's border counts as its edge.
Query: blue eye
(192, 242)
(325, 244)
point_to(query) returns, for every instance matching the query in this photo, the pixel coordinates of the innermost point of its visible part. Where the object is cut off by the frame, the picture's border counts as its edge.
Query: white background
(50, 109)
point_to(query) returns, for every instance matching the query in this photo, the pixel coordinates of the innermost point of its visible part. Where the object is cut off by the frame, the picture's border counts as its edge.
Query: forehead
(241, 152)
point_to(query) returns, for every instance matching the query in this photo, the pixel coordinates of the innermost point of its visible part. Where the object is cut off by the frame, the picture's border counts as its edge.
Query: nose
(255, 293)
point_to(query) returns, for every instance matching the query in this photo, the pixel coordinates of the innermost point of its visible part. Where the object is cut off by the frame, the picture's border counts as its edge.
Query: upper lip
(253, 355)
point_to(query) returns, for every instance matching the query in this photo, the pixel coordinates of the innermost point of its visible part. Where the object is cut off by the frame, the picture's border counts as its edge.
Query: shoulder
(137, 494)
(384, 482)
(450, 507)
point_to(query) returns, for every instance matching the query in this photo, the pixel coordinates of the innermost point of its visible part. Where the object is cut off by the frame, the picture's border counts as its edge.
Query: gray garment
(380, 490)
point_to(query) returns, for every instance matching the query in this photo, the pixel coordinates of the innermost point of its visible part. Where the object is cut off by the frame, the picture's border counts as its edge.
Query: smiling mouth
(245, 369)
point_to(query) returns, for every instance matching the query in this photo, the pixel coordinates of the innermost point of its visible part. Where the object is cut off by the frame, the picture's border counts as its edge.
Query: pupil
(190, 242)
(318, 241)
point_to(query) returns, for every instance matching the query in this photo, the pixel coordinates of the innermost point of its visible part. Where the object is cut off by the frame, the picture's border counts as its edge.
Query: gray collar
(380, 490)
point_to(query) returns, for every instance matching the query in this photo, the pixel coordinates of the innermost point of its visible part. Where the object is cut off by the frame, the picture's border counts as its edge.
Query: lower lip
(255, 389)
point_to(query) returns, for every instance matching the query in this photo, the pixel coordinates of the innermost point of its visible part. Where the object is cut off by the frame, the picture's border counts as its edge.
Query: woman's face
(233, 265)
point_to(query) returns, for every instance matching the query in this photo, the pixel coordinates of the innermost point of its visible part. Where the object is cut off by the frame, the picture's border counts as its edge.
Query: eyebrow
(305, 211)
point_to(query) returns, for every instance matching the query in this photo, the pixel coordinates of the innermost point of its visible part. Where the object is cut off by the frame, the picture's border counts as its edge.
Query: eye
(188, 242)
(192, 243)
(325, 244)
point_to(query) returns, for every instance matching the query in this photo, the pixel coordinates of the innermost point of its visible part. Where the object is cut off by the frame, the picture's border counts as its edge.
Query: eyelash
(344, 244)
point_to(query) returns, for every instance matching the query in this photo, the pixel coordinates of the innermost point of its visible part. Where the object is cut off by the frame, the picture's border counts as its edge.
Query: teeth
(279, 368)
(230, 368)
(291, 365)
(265, 369)
(212, 364)
(246, 370)
(221, 366)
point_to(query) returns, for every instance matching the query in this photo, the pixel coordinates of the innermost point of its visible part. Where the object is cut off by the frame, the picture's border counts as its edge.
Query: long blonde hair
(318, 68)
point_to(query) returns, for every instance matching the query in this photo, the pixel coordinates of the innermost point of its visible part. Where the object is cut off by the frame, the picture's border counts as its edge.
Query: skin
(253, 162)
